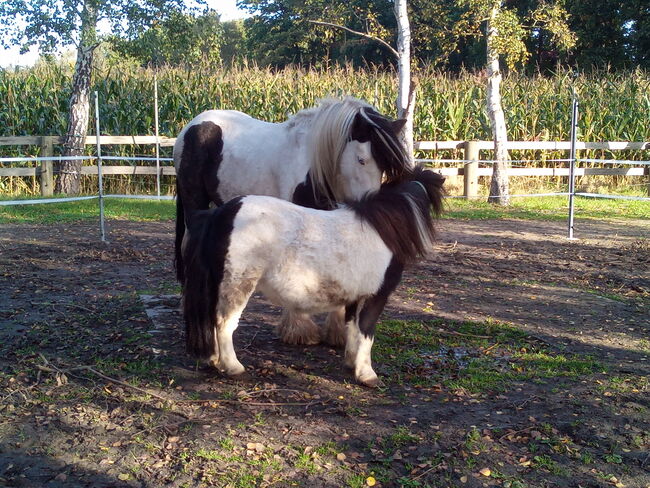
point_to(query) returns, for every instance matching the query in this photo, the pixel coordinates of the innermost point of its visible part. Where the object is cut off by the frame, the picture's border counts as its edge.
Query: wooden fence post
(470, 169)
(46, 174)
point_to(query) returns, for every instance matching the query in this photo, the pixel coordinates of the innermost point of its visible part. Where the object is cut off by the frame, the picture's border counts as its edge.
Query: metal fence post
(572, 157)
(155, 103)
(470, 178)
(46, 175)
(99, 170)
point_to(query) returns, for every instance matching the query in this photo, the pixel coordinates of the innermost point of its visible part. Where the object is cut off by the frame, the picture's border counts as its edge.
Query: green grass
(124, 209)
(541, 208)
(548, 208)
(484, 356)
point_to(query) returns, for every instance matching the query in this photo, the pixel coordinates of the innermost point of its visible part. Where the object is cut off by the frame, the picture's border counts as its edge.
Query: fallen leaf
(485, 472)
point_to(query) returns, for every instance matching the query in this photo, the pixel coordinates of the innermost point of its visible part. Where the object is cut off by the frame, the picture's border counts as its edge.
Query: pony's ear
(398, 125)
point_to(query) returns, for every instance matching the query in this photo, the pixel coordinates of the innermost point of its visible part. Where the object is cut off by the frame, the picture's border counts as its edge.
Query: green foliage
(180, 39)
(614, 106)
(52, 25)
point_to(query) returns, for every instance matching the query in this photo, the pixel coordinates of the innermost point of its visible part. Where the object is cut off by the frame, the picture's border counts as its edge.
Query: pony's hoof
(372, 382)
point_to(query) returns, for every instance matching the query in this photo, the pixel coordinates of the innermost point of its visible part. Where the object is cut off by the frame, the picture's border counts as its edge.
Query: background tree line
(612, 34)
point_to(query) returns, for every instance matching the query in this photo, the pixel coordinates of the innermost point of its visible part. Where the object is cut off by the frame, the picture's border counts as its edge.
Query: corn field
(613, 106)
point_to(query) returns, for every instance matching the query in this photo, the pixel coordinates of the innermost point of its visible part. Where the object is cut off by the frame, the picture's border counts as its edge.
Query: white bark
(79, 107)
(405, 90)
(499, 191)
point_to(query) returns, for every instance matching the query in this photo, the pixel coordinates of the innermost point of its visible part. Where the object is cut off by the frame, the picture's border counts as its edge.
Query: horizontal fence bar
(142, 197)
(614, 161)
(89, 141)
(613, 197)
(134, 158)
(46, 158)
(420, 145)
(535, 145)
(171, 171)
(46, 200)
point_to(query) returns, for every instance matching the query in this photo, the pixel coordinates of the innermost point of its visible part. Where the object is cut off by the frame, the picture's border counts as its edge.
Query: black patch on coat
(374, 305)
(205, 257)
(306, 196)
(197, 182)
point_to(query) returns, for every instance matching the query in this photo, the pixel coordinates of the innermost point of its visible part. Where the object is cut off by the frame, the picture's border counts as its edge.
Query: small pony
(335, 152)
(306, 260)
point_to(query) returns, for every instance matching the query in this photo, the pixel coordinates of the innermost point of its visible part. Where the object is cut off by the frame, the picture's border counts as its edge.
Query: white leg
(298, 328)
(228, 362)
(351, 342)
(363, 371)
(213, 360)
(335, 329)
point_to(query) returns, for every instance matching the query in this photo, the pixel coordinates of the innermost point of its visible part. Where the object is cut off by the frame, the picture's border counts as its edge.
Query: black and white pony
(335, 152)
(306, 260)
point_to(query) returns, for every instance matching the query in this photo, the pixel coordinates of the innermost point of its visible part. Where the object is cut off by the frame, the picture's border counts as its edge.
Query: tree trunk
(499, 191)
(78, 115)
(406, 89)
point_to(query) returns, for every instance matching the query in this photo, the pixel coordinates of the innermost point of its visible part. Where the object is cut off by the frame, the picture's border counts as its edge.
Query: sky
(11, 57)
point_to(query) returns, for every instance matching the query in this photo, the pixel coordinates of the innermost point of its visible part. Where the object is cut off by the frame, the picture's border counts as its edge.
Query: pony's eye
(361, 161)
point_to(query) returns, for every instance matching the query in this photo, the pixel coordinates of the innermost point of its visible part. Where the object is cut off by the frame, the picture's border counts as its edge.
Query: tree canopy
(540, 34)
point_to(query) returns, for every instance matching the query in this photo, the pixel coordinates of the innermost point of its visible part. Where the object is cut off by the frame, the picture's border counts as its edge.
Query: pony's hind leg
(232, 301)
(298, 329)
(335, 331)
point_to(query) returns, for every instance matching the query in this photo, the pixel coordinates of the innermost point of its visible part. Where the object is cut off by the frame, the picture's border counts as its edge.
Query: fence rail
(470, 170)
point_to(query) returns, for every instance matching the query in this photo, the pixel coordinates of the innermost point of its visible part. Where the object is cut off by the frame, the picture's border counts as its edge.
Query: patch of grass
(546, 463)
(547, 208)
(537, 208)
(473, 356)
(123, 209)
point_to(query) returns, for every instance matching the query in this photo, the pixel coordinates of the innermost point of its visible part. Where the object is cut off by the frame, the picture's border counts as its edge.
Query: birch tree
(406, 88)
(505, 32)
(57, 24)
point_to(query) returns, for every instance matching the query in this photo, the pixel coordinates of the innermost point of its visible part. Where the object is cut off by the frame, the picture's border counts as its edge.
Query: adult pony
(335, 152)
(306, 260)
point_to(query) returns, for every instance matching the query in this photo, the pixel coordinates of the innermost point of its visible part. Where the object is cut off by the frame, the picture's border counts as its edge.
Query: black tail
(196, 179)
(180, 233)
(204, 259)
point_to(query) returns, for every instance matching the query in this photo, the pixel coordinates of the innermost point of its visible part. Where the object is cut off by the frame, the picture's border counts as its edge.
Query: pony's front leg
(360, 323)
(358, 346)
(298, 329)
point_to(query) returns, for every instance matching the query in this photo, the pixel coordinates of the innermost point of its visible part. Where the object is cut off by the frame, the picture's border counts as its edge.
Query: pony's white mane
(329, 132)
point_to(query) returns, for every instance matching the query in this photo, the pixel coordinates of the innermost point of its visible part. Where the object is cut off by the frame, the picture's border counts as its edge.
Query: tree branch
(362, 34)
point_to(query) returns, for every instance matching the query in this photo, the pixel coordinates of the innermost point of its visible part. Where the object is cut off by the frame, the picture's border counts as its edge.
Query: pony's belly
(297, 296)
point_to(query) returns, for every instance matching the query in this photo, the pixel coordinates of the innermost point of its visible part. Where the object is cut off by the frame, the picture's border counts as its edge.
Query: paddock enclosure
(510, 357)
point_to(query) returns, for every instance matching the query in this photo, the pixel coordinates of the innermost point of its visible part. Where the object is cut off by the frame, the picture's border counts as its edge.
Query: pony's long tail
(204, 258)
(178, 242)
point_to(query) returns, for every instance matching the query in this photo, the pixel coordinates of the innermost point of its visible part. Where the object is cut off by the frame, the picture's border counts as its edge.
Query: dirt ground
(96, 391)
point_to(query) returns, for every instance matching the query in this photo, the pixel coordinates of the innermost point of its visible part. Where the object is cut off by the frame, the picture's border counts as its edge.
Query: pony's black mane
(402, 212)
(386, 147)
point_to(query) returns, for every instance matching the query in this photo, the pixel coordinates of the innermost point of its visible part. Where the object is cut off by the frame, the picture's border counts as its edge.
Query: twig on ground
(53, 369)
(454, 333)
(71, 305)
